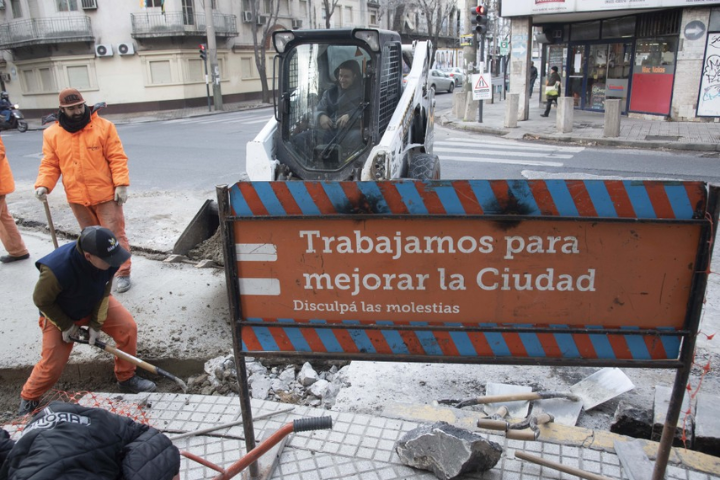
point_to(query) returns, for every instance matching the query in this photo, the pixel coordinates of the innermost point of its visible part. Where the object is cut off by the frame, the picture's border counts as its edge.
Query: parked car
(441, 81)
(456, 73)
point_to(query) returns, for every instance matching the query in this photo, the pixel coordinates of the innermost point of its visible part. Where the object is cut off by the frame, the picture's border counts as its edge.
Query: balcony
(45, 31)
(171, 24)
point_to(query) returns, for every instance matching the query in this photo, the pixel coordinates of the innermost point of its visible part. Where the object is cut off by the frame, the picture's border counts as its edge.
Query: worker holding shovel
(74, 290)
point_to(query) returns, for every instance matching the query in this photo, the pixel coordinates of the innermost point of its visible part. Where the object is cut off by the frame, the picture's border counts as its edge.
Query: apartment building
(142, 54)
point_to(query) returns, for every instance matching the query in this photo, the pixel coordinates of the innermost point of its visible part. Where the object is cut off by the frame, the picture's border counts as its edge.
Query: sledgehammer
(129, 358)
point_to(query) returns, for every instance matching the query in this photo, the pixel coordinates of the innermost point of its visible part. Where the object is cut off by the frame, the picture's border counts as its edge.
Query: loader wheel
(451, 87)
(424, 167)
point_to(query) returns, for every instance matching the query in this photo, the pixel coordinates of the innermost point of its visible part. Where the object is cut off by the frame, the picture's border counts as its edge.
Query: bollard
(471, 108)
(511, 110)
(612, 118)
(565, 111)
(459, 104)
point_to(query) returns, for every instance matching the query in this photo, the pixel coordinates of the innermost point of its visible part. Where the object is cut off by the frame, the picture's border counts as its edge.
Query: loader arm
(410, 130)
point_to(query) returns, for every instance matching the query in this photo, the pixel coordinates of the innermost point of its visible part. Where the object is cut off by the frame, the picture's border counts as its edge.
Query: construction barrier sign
(467, 270)
(481, 83)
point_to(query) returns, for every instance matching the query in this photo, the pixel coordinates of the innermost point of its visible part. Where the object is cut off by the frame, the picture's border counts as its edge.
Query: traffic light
(478, 17)
(203, 51)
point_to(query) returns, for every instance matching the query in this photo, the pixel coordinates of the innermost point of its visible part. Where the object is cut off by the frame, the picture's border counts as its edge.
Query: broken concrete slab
(662, 401)
(707, 424)
(636, 465)
(632, 421)
(447, 451)
(563, 410)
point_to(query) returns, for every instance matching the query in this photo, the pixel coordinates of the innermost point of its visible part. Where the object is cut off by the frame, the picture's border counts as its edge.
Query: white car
(441, 81)
(456, 73)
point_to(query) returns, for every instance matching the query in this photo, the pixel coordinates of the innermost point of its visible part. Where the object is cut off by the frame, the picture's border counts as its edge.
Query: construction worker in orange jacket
(86, 150)
(9, 234)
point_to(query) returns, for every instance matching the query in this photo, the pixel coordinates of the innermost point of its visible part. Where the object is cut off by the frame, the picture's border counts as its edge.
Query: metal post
(481, 62)
(688, 345)
(212, 53)
(207, 85)
(232, 287)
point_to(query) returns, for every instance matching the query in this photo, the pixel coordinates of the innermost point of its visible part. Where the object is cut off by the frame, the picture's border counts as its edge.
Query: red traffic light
(202, 46)
(480, 10)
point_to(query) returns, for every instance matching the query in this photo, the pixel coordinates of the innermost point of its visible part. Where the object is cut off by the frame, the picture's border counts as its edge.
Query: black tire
(22, 126)
(451, 87)
(424, 166)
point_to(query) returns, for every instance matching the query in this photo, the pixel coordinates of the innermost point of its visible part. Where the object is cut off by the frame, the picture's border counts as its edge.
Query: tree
(437, 14)
(260, 45)
(329, 6)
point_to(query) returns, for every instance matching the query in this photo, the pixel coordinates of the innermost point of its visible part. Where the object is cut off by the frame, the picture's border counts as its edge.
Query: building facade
(141, 55)
(657, 56)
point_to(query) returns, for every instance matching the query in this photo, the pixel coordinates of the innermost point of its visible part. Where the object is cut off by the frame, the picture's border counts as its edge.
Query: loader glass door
(324, 95)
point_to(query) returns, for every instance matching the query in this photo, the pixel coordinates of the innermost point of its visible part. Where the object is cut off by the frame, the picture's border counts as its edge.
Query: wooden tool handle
(129, 358)
(525, 435)
(509, 398)
(559, 466)
(501, 425)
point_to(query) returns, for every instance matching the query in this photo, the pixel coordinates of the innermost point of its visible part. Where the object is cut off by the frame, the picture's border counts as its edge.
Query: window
(585, 31)
(618, 27)
(160, 72)
(153, 3)
(373, 17)
(40, 79)
(188, 13)
(348, 16)
(267, 6)
(196, 70)
(79, 77)
(67, 5)
(16, 10)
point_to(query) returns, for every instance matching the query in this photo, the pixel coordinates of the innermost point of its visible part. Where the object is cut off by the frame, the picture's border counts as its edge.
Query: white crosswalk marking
(502, 152)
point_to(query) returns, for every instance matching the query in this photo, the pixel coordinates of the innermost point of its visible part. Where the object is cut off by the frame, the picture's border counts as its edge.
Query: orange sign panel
(469, 270)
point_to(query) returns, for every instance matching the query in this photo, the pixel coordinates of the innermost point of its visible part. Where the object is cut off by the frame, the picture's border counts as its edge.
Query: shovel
(129, 358)
(598, 388)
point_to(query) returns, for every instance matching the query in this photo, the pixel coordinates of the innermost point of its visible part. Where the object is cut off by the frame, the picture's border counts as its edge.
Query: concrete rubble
(447, 451)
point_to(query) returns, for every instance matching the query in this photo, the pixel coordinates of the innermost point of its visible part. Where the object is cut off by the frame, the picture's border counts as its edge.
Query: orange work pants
(109, 215)
(119, 324)
(9, 234)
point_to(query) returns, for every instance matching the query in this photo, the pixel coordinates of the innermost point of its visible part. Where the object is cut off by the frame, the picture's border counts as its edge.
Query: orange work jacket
(7, 183)
(92, 162)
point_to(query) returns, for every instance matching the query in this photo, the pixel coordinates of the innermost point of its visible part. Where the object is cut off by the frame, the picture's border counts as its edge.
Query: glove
(41, 193)
(70, 332)
(94, 335)
(121, 195)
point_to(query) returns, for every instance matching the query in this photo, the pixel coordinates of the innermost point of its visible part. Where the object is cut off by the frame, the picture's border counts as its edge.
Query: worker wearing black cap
(74, 290)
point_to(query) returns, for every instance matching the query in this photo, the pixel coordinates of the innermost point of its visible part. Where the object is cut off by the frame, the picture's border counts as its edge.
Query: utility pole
(480, 21)
(212, 52)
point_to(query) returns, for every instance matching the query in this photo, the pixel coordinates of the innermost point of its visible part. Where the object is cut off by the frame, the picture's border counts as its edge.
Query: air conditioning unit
(126, 48)
(296, 23)
(89, 4)
(247, 17)
(262, 19)
(103, 50)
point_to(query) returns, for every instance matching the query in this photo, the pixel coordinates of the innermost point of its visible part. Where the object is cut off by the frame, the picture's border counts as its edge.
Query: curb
(609, 142)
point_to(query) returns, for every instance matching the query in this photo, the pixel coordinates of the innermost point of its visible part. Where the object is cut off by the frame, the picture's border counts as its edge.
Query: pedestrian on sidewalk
(533, 77)
(74, 290)
(552, 90)
(9, 234)
(86, 150)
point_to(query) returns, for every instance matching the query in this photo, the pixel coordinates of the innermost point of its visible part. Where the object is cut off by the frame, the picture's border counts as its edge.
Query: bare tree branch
(260, 45)
(329, 6)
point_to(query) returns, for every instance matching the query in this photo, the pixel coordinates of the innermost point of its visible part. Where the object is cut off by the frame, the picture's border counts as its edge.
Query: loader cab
(336, 92)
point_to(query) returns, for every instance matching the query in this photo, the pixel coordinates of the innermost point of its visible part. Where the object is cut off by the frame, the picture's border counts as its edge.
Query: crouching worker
(69, 441)
(74, 290)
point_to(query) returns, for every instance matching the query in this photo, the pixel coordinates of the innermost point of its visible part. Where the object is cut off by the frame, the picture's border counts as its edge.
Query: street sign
(504, 48)
(694, 30)
(466, 40)
(481, 86)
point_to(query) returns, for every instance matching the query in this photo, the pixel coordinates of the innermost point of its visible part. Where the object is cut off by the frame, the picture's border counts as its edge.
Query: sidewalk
(362, 447)
(588, 129)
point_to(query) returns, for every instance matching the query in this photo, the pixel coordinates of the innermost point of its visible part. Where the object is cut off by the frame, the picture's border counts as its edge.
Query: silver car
(456, 73)
(441, 81)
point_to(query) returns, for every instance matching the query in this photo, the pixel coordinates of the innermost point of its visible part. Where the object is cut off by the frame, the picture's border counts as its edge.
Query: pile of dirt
(210, 249)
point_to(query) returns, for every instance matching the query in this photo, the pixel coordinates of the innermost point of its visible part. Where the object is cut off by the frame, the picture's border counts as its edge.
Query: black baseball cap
(101, 242)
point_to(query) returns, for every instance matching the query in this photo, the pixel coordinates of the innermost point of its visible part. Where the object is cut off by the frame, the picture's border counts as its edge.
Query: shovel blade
(601, 386)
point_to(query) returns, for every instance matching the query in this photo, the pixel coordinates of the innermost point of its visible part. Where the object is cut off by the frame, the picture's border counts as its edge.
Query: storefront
(631, 58)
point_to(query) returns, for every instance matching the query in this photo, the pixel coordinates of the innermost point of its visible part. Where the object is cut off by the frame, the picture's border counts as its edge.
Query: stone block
(707, 424)
(662, 401)
(511, 110)
(565, 113)
(612, 118)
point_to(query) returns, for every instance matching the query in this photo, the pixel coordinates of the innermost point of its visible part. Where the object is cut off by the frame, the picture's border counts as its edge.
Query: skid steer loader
(389, 131)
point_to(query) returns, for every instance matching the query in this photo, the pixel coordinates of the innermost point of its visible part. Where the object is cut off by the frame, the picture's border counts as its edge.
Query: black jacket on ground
(68, 441)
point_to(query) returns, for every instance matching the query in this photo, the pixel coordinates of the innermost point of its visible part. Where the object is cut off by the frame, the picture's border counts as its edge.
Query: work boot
(27, 406)
(10, 258)
(122, 284)
(136, 384)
